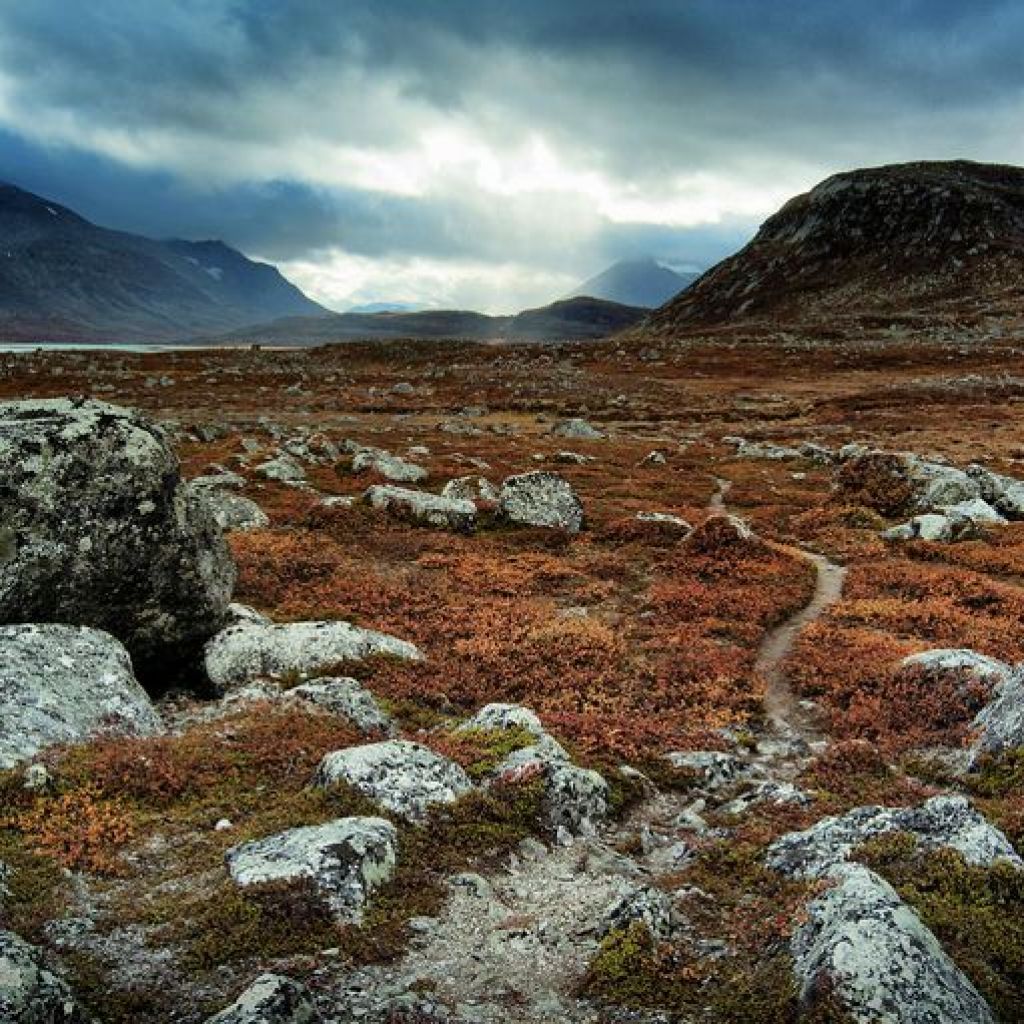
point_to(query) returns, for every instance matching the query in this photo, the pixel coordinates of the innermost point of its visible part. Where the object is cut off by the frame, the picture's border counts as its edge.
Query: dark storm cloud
(250, 119)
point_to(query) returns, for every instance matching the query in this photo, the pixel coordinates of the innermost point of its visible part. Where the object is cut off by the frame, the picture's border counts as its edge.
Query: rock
(219, 481)
(65, 684)
(937, 485)
(568, 458)
(99, 530)
(648, 906)
(1000, 724)
(664, 519)
(766, 792)
(541, 499)
(251, 650)
(932, 526)
(977, 510)
(446, 513)
(345, 697)
(389, 466)
(763, 450)
(939, 822)
(471, 488)
(29, 993)
(284, 469)
(515, 716)
(713, 769)
(406, 778)
(232, 511)
(270, 999)
(576, 428)
(871, 952)
(345, 860)
(1004, 493)
(965, 668)
(720, 532)
(654, 458)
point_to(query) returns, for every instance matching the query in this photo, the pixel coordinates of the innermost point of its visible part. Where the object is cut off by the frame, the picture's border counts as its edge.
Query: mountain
(636, 283)
(918, 244)
(385, 307)
(64, 278)
(567, 320)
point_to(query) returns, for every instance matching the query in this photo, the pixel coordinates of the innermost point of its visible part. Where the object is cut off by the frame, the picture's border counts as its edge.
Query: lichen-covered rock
(251, 650)
(515, 716)
(471, 488)
(541, 499)
(936, 527)
(445, 513)
(644, 905)
(942, 821)
(345, 697)
(713, 769)
(345, 860)
(1004, 493)
(767, 791)
(389, 466)
(976, 509)
(974, 675)
(284, 469)
(99, 530)
(406, 778)
(270, 999)
(232, 511)
(1000, 724)
(864, 946)
(64, 684)
(29, 992)
(576, 428)
(937, 485)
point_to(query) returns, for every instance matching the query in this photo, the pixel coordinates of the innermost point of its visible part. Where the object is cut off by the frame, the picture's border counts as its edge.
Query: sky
(487, 154)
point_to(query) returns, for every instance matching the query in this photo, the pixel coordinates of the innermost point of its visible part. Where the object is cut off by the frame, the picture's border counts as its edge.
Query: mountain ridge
(635, 282)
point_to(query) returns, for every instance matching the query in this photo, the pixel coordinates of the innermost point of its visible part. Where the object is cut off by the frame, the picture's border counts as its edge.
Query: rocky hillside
(636, 283)
(908, 243)
(64, 278)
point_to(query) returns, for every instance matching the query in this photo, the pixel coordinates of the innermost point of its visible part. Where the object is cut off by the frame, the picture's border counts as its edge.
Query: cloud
(507, 144)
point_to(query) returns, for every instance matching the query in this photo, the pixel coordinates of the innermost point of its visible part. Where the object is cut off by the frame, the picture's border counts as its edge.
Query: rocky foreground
(465, 717)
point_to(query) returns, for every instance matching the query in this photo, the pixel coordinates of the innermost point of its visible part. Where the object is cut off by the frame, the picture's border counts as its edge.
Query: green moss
(998, 776)
(491, 747)
(37, 889)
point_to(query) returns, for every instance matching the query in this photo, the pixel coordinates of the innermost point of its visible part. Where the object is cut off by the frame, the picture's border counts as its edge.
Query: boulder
(471, 488)
(344, 697)
(936, 527)
(251, 650)
(713, 770)
(515, 716)
(871, 953)
(345, 860)
(1004, 493)
(389, 466)
(937, 485)
(284, 469)
(644, 905)
(65, 684)
(977, 510)
(975, 676)
(29, 992)
(232, 511)
(270, 999)
(99, 530)
(576, 428)
(406, 778)
(942, 821)
(456, 514)
(541, 499)
(1000, 724)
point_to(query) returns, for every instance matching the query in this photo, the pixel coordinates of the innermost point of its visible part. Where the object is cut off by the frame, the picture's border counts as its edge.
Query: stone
(232, 511)
(864, 946)
(1000, 724)
(1004, 493)
(937, 485)
(65, 684)
(664, 519)
(541, 499)
(644, 905)
(270, 999)
(714, 770)
(471, 488)
(576, 428)
(977, 510)
(965, 668)
(936, 527)
(389, 466)
(29, 992)
(344, 697)
(253, 650)
(942, 821)
(718, 532)
(766, 792)
(404, 777)
(284, 469)
(515, 716)
(345, 860)
(456, 514)
(99, 530)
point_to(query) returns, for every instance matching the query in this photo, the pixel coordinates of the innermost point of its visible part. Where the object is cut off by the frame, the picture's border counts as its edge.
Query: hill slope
(939, 242)
(635, 283)
(64, 278)
(568, 320)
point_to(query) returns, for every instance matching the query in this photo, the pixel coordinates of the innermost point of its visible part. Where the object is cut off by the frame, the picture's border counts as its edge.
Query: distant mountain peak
(641, 281)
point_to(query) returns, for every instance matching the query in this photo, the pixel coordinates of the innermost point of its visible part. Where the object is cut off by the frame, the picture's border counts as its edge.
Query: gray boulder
(270, 999)
(960, 662)
(64, 684)
(576, 428)
(514, 716)
(644, 905)
(251, 650)
(541, 499)
(1000, 724)
(346, 860)
(456, 514)
(937, 485)
(29, 992)
(283, 469)
(871, 952)
(232, 511)
(713, 770)
(1005, 493)
(344, 697)
(942, 821)
(471, 488)
(406, 778)
(389, 466)
(99, 530)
